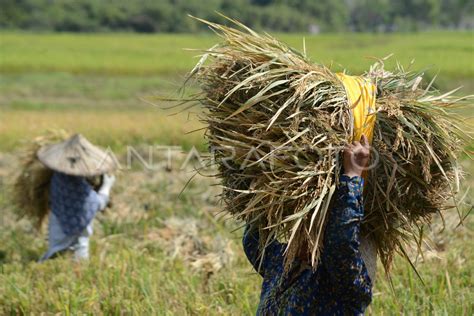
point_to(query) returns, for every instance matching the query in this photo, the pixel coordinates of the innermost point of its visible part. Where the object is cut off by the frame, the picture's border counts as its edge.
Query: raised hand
(356, 157)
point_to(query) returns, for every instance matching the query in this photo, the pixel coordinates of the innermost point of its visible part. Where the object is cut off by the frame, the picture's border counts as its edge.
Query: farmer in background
(342, 282)
(72, 198)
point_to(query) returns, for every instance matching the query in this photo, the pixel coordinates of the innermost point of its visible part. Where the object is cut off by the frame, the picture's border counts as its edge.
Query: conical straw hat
(78, 157)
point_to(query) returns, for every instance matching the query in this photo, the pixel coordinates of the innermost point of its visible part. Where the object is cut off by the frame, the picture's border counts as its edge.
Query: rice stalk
(277, 122)
(30, 190)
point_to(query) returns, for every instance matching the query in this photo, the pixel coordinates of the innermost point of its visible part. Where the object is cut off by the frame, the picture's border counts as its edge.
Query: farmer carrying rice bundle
(342, 282)
(62, 184)
(292, 141)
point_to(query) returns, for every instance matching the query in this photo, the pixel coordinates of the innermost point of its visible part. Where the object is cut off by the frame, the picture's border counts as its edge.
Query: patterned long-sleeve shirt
(339, 286)
(74, 202)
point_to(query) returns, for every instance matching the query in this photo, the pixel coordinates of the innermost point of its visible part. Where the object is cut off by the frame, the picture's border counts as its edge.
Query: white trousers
(58, 241)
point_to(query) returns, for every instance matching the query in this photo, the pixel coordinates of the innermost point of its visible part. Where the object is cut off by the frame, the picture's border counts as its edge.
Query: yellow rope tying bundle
(361, 94)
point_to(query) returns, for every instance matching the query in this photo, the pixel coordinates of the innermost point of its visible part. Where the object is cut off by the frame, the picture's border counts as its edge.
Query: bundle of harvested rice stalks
(30, 189)
(277, 124)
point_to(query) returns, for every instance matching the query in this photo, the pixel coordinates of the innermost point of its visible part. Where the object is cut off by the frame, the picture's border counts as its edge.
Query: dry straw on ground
(181, 238)
(30, 189)
(277, 123)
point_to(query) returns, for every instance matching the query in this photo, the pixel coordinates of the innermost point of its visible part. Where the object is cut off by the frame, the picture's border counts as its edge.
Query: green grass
(51, 74)
(127, 54)
(131, 272)
(113, 111)
(95, 84)
(117, 129)
(113, 90)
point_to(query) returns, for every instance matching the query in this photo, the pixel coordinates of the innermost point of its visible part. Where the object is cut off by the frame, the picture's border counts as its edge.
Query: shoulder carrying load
(277, 123)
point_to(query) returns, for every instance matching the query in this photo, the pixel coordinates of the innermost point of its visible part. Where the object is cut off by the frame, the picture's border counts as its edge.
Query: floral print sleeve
(341, 256)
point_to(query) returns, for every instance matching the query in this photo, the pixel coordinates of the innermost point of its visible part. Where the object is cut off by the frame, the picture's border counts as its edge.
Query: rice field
(132, 54)
(50, 73)
(156, 251)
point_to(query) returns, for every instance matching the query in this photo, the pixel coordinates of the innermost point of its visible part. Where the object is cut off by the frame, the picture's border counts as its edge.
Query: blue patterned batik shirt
(339, 286)
(74, 202)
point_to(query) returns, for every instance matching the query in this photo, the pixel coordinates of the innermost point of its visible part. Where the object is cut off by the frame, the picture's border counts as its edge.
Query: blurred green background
(94, 66)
